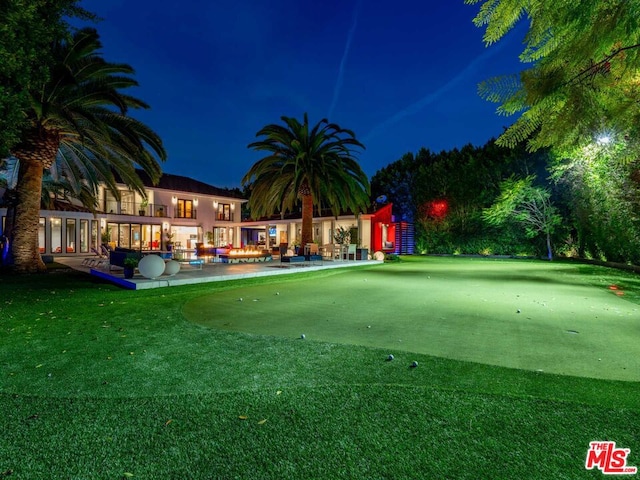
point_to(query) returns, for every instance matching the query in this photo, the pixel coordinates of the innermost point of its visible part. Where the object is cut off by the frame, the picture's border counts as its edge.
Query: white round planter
(151, 266)
(171, 267)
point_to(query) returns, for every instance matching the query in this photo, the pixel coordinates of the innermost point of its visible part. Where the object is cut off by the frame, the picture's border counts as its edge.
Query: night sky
(401, 74)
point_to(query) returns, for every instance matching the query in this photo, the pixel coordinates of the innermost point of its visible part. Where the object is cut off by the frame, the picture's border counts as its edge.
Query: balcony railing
(191, 214)
(133, 208)
(158, 210)
(220, 217)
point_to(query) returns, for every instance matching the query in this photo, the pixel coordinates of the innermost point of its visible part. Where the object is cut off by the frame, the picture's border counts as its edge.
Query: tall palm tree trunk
(37, 152)
(24, 245)
(307, 220)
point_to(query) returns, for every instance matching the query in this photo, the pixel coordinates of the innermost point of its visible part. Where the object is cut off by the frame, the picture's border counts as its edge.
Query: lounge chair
(98, 260)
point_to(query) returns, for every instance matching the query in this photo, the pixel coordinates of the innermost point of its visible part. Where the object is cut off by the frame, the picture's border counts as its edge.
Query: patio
(210, 272)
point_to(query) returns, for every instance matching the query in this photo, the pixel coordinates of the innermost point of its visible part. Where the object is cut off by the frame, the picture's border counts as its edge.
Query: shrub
(391, 257)
(131, 262)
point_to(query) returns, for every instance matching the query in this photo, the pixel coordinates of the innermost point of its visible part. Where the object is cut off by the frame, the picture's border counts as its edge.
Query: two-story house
(178, 209)
(184, 212)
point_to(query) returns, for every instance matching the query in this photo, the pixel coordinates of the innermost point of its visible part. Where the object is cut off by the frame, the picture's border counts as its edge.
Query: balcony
(191, 214)
(224, 218)
(138, 209)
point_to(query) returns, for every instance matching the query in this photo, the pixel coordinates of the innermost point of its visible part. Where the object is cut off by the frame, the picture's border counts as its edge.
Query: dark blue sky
(401, 74)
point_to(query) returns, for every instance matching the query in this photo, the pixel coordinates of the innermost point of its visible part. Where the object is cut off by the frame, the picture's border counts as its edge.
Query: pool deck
(210, 272)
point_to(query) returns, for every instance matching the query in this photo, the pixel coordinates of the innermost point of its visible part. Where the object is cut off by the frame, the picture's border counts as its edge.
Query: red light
(436, 209)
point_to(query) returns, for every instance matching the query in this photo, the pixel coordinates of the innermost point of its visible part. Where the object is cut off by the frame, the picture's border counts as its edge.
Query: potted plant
(295, 245)
(143, 207)
(168, 240)
(342, 236)
(130, 264)
(106, 236)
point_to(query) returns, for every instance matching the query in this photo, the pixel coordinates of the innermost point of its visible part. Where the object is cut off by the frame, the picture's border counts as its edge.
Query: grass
(97, 382)
(521, 315)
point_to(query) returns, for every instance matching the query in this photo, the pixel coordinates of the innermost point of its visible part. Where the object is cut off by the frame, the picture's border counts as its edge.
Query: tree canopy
(28, 28)
(79, 118)
(528, 204)
(312, 165)
(583, 77)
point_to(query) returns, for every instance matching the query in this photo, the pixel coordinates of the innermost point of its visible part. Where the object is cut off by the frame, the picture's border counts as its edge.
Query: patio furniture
(293, 259)
(333, 251)
(312, 253)
(362, 254)
(311, 249)
(351, 252)
(118, 256)
(194, 262)
(327, 251)
(98, 260)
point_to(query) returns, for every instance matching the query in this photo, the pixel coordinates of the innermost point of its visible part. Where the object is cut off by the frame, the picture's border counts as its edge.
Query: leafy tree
(460, 182)
(79, 115)
(603, 200)
(527, 204)
(582, 81)
(27, 30)
(315, 166)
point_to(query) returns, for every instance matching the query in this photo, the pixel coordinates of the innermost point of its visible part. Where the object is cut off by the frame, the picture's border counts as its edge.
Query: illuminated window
(224, 212)
(56, 235)
(41, 235)
(185, 209)
(71, 235)
(84, 236)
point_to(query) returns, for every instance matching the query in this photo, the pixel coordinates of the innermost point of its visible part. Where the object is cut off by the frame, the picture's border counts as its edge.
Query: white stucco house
(186, 212)
(179, 209)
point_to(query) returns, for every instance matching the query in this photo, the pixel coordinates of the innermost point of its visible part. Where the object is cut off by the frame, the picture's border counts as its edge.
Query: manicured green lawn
(189, 382)
(528, 315)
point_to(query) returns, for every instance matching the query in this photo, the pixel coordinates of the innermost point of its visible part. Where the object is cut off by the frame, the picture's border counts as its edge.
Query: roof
(169, 181)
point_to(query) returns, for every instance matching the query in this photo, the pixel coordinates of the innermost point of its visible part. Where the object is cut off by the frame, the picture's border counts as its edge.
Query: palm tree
(80, 117)
(316, 166)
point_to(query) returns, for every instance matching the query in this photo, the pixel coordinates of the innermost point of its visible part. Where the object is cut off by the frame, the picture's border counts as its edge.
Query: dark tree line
(445, 193)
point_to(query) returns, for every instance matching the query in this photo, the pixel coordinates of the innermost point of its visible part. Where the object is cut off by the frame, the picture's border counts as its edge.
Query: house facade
(178, 209)
(185, 212)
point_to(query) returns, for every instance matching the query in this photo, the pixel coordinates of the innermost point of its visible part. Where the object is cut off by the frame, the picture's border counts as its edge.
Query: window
(224, 212)
(220, 237)
(41, 235)
(71, 235)
(124, 235)
(110, 202)
(127, 203)
(185, 209)
(136, 238)
(84, 236)
(125, 206)
(134, 235)
(94, 233)
(56, 235)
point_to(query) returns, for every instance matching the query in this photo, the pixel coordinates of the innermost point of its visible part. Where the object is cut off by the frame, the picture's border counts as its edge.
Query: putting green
(521, 314)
